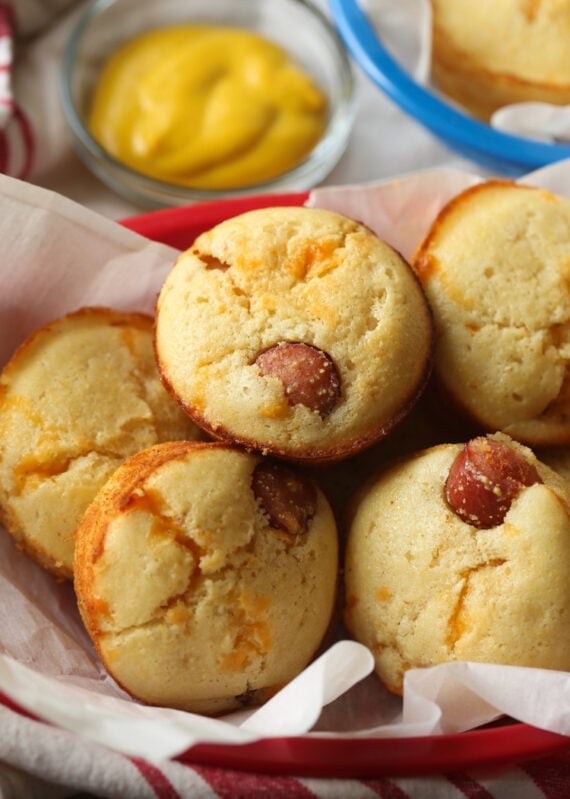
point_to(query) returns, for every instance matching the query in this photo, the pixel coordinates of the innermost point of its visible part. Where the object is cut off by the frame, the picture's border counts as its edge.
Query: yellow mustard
(207, 107)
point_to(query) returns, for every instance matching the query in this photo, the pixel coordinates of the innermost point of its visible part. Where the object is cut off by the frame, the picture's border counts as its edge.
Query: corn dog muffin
(206, 576)
(76, 398)
(486, 55)
(294, 332)
(494, 266)
(460, 552)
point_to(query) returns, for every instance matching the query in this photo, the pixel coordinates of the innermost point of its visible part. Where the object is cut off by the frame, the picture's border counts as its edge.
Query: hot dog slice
(484, 479)
(288, 500)
(308, 374)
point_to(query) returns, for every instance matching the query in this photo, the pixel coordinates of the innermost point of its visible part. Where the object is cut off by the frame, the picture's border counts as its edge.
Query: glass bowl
(495, 150)
(297, 26)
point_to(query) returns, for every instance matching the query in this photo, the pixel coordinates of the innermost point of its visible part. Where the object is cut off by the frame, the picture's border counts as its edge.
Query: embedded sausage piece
(308, 375)
(425, 586)
(288, 500)
(294, 332)
(484, 479)
(206, 576)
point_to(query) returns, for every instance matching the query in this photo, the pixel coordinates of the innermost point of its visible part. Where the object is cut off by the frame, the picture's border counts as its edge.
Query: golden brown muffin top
(281, 292)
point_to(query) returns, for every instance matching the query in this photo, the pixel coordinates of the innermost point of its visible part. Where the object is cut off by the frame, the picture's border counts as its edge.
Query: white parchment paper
(57, 256)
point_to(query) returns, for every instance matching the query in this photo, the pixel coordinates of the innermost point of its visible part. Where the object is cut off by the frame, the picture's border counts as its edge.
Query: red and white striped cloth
(33, 132)
(16, 139)
(42, 762)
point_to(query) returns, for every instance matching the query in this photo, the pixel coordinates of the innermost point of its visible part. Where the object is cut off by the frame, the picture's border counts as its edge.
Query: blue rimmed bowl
(493, 149)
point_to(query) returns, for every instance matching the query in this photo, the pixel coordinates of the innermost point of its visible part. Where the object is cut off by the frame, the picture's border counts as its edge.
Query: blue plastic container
(496, 151)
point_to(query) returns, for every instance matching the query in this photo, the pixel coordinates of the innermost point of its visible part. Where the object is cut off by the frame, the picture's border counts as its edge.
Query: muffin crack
(458, 622)
(33, 471)
(211, 262)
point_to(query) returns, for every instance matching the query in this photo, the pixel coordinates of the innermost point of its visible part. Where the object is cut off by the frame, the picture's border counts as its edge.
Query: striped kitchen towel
(16, 139)
(33, 131)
